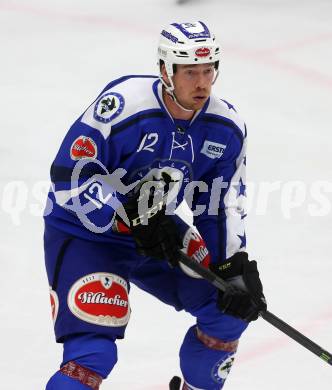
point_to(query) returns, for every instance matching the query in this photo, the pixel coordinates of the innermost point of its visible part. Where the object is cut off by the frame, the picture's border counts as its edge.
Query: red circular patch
(100, 298)
(202, 52)
(94, 299)
(194, 246)
(196, 249)
(54, 304)
(83, 147)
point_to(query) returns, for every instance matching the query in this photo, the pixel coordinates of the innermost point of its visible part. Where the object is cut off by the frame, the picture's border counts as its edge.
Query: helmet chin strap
(170, 92)
(172, 95)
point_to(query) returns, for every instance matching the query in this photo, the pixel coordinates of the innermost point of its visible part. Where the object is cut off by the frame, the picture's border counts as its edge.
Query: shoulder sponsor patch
(101, 299)
(83, 147)
(108, 107)
(213, 149)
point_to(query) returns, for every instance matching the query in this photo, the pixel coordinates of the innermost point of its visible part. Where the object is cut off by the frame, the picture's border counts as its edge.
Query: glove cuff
(233, 266)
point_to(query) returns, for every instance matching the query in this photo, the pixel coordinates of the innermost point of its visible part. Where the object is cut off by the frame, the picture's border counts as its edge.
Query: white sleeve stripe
(63, 196)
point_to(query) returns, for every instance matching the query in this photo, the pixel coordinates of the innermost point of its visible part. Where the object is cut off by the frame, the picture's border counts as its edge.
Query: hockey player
(146, 138)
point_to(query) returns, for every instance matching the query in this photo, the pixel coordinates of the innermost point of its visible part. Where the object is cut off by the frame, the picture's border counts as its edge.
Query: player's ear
(164, 74)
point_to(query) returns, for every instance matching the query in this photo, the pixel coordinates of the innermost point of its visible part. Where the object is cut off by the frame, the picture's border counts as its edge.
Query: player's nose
(201, 81)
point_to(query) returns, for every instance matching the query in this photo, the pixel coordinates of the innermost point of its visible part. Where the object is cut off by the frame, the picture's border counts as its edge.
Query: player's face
(193, 84)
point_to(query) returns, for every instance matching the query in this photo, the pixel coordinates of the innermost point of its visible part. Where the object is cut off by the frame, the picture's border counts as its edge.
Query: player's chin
(198, 102)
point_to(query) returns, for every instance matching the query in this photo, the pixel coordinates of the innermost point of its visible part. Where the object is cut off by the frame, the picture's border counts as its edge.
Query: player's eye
(208, 71)
(189, 72)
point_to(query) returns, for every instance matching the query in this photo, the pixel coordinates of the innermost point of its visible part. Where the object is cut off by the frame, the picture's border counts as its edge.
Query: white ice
(277, 70)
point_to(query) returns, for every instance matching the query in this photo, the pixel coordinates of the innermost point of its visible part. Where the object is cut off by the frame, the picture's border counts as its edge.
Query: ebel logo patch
(108, 107)
(213, 149)
(222, 368)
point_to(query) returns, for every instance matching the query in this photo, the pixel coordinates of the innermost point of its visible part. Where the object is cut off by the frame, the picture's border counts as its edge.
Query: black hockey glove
(155, 233)
(244, 299)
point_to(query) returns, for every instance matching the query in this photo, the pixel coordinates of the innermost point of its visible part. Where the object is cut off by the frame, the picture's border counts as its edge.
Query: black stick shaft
(266, 315)
(297, 336)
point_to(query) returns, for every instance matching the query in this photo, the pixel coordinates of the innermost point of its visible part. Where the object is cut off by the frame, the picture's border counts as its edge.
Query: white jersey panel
(235, 207)
(220, 108)
(120, 102)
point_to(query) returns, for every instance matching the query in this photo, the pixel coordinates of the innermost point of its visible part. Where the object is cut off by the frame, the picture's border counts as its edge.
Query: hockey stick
(266, 315)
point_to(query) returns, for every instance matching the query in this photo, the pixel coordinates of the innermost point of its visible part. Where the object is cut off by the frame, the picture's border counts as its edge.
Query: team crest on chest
(108, 107)
(178, 172)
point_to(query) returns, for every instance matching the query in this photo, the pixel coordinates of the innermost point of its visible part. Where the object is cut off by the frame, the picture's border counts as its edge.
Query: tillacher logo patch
(101, 299)
(195, 247)
(213, 149)
(83, 147)
(108, 107)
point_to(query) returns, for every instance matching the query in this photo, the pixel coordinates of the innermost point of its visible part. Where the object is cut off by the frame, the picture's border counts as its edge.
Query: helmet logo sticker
(108, 107)
(193, 30)
(202, 52)
(169, 36)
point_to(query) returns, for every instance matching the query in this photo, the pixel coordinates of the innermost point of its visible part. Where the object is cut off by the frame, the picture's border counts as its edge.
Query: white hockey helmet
(186, 43)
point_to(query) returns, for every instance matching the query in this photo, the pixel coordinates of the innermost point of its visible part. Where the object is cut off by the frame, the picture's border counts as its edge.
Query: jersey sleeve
(222, 222)
(82, 189)
(89, 178)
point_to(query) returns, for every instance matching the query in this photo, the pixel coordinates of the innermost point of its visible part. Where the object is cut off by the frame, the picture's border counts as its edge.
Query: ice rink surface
(277, 71)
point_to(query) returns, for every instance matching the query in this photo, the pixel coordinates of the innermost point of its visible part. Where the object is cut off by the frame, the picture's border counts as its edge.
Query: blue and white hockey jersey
(128, 133)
